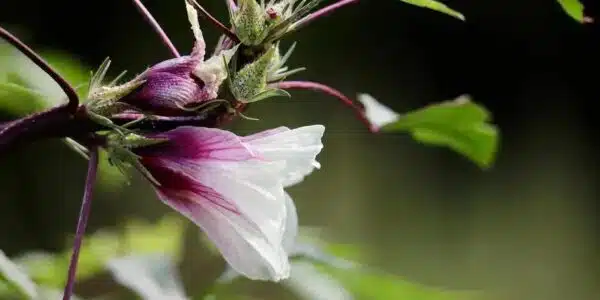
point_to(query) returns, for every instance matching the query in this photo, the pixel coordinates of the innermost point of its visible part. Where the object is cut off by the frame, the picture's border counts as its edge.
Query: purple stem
(308, 85)
(42, 64)
(226, 31)
(161, 33)
(58, 122)
(321, 12)
(33, 126)
(84, 213)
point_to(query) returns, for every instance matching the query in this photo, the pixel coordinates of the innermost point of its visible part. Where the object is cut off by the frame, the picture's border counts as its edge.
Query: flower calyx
(120, 152)
(255, 24)
(250, 84)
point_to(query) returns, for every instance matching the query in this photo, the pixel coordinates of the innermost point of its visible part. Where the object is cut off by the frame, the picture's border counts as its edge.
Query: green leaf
(25, 89)
(151, 276)
(308, 282)
(50, 293)
(573, 8)
(19, 99)
(137, 238)
(50, 269)
(370, 285)
(16, 277)
(165, 236)
(95, 252)
(44, 268)
(459, 124)
(437, 6)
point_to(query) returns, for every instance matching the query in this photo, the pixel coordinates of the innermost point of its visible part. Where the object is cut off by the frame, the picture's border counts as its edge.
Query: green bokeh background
(526, 229)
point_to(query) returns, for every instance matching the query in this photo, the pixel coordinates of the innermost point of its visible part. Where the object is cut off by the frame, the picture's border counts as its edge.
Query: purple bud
(170, 86)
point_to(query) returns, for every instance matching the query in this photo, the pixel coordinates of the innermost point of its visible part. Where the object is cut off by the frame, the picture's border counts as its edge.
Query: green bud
(102, 99)
(113, 93)
(132, 140)
(250, 23)
(251, 80)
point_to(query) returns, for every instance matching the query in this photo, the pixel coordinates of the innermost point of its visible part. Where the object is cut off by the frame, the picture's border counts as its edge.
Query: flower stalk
(84, 213)
(320, 13)
(156, 27)
(309, 85)
(226, 31)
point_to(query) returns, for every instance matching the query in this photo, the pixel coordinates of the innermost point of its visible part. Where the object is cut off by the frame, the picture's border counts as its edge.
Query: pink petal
(179, 184)
(199, 143)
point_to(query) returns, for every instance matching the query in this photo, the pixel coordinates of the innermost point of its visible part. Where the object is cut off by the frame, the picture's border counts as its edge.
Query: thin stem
(42, 64)
(320, 13)
(226, 31)
(83, 218)
(161, 33)
(308, 85)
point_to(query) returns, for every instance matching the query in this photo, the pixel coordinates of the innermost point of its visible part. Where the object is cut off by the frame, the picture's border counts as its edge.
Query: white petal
(291, 225)
(243, 245)
(298, 148)
(377, 113)
(289, 238)
(213, 71)
(193, 19)
(254, 187)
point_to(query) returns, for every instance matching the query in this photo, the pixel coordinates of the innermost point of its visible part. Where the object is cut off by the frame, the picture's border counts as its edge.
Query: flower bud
(175, 87)
(251, 80)
(170, 86)
(250, 23)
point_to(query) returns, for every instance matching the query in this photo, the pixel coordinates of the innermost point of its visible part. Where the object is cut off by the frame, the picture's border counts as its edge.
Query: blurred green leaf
(73, 70)
(309, 283)
(12, 274)
(437, 6)
(573, 8)
(109, 176)
(50, 269)
(96, 250)
(25, 89)
(369, 285)
(459, 124)
(137, 238)
(166, 236)
(150, 276)
(18, 99)
(50, 293)
(44, 268)
(307, 249)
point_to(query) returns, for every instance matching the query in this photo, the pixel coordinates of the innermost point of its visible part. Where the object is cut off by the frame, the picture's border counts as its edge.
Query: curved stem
(83, 218)
(34, 126)
(321, 12)
(42, 64)
(226, 31)
(161, 33)
(308, 85)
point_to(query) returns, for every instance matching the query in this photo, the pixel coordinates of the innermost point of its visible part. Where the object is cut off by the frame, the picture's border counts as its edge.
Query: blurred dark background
(525, 229)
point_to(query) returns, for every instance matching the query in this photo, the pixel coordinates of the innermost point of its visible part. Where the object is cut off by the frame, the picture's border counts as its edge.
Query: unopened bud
(251, 80)
(250, 23)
